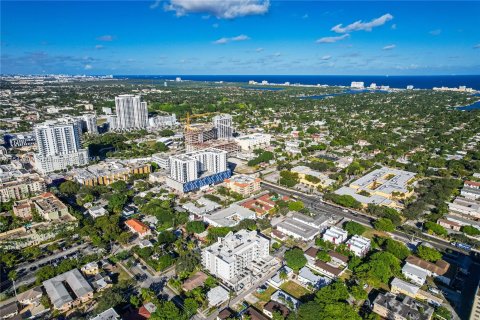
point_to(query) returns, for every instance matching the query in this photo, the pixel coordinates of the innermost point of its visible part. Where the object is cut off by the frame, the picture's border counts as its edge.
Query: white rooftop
(230, 216)
(217, 296)
(58, 293)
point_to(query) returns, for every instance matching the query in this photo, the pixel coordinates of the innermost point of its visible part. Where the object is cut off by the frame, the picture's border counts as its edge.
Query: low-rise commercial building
(383, 186)
(302, 227)
(229, 217)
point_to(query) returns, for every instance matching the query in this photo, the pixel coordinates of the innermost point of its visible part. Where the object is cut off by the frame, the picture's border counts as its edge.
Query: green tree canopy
(429, 254)
(353, 227)
(384, 224)
(295, 259)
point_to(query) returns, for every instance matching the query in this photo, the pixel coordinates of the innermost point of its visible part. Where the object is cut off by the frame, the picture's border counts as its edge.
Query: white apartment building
(59, 145)
(89, 123)
(131, 112)
(414, 273)
(163, 121)
(211, 160)
(234, 257)
(183, 168)
(359, 245)
(335, 235)
(187, 167)
(253, 141)
(223, 126)
(358, 84)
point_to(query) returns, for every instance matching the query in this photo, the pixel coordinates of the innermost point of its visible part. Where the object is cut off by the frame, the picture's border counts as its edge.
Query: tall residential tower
(59, 145)
(223, 126)
(131, 112)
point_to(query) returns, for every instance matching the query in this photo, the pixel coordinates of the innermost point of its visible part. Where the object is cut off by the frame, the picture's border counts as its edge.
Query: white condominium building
(131, 112)
(231, 257)
(223, 126)
(89, 122)
(183, 168)
(59, 145)
(187, 167)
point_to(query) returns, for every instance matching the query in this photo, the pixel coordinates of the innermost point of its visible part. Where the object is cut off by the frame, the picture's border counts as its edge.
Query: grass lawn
(265, 296)
(293, 289)
(370, 233)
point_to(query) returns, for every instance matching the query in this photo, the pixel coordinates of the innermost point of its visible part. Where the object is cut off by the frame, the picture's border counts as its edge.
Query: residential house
(216, 296)
(138, 227)
(272, 306)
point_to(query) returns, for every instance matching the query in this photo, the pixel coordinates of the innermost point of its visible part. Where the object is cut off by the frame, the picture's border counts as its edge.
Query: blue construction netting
(208, 180)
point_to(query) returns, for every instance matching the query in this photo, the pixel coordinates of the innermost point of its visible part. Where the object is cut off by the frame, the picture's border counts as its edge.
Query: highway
(317, 205)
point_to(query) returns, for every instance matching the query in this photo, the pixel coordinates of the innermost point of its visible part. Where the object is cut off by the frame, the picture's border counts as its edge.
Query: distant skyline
(240, 37)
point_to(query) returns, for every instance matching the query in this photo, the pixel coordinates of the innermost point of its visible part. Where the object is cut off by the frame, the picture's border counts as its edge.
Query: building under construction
(218, 134)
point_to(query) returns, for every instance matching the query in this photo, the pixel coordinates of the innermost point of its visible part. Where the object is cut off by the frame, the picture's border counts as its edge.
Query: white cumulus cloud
(389, 47)
(225, 40)
(332, 39)
(88, 67)
(365, 26)
(327, 57)
(223, 9)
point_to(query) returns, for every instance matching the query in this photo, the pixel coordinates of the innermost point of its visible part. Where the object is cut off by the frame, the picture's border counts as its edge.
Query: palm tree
(283, 275)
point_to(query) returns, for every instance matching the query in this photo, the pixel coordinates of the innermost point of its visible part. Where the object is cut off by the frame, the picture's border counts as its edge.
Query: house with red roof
(138, 227)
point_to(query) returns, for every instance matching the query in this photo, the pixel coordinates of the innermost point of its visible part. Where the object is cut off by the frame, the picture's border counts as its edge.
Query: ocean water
(419, 82)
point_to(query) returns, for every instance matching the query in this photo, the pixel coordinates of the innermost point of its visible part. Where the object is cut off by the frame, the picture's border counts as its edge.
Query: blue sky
(240, 37)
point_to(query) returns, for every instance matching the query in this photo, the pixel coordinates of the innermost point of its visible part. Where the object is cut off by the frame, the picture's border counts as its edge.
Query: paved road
(316, 204)
(245, 293)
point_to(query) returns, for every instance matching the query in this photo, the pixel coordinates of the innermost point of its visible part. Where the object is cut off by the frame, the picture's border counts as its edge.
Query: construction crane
(188, 117)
